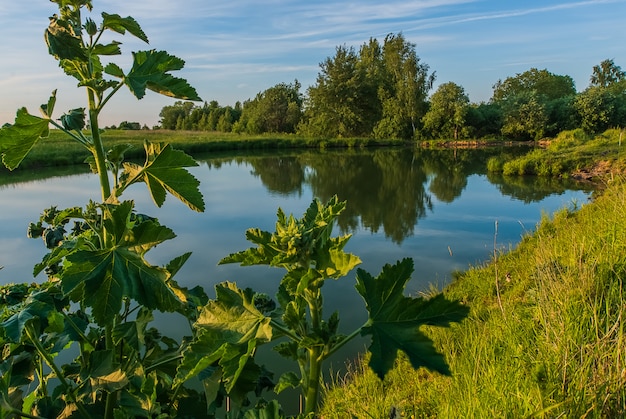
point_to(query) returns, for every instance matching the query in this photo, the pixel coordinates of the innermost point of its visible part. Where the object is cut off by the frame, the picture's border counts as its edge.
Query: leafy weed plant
(97, 306)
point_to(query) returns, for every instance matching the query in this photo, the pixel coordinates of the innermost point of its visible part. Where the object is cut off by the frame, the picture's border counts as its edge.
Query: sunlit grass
(60, 150)
(570, 152)
(556, 348)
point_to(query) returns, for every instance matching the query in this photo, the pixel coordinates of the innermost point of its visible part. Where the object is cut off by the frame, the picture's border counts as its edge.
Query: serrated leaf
(63, 43)
(394, 320)
(147, 284)
(234, 315)
(103, 293)
(177, 263)
(18, 139)
(120, 25)
(114, 70)
(151, 70)
(287, 380)
(229, 329)
(48, 108)
(163, 171)
(109, 275)
(104, 373)
(109, 49)
(146, 235)
(202, 353)
(35, 308)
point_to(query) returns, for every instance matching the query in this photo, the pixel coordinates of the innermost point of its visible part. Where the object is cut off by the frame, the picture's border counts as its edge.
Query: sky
(235, 49)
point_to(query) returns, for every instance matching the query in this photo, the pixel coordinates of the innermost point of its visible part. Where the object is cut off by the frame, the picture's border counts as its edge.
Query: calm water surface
(438, 207)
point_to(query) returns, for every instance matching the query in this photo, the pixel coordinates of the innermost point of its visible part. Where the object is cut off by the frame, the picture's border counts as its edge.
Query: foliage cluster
(275, 110)
(552, 345)
(381, 91)
(82, 343)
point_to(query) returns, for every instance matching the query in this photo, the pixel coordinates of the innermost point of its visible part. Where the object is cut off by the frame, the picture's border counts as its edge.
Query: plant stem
(59, 374)
(98, 148)
(343, 341)
(312, 389)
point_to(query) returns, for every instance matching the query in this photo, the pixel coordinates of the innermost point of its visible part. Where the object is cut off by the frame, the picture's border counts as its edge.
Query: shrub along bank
(545, 334)
(570, 153)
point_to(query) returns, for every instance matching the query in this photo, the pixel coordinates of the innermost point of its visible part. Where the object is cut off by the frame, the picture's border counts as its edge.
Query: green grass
(552, 345)
(571, 152)
(60, 150)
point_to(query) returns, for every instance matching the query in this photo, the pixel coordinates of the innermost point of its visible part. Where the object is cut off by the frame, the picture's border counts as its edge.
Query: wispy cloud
(237, 48)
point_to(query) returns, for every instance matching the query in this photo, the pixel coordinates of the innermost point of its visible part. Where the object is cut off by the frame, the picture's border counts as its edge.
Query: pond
(439, 207)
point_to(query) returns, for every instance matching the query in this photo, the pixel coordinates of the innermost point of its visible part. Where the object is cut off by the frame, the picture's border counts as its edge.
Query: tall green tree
(526, 101)
(170, 115)
(600, 108)
(484, 119)
(542, 82)
(404, 94)
(606, 73)
(448, 109)
(380, 91)
(334, 103)
(277, 109)
(525, 117)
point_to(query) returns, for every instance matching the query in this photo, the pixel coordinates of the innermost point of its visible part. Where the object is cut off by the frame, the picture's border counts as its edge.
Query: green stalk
(105, 188)
(312, 390)
(343, 341)
(98, 148)
(59, 374)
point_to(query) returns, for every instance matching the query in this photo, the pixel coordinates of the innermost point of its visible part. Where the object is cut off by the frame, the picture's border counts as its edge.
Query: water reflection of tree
(534, 188)
(384, 189)
(448, 171)
(282, 174)
(387, 188)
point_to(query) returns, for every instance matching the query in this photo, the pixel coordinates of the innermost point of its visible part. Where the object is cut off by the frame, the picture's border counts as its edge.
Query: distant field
(60, 150)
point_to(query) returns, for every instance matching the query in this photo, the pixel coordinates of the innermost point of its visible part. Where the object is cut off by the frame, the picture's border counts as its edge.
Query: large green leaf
(34, 310)
(234, 314)
(120, 24)
(91, 270)
(229, 329)
(18, 139)
(148, 285)
(62, 42)
(103, 372)
(109, 49)
(151, 70)
(394, 320)
(108, 275)
(163, 171)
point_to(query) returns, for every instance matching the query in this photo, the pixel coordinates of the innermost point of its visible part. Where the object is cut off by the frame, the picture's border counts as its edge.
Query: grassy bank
(60, 150)
(545, 337)
(570, 153)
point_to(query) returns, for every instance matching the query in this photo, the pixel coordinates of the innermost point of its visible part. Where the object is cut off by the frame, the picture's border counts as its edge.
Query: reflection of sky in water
(236, 200)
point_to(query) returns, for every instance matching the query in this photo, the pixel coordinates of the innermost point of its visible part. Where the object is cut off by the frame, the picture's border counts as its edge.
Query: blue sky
(235, 49)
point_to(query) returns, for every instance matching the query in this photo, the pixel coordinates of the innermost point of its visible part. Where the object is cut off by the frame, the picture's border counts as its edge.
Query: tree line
(382, 91)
